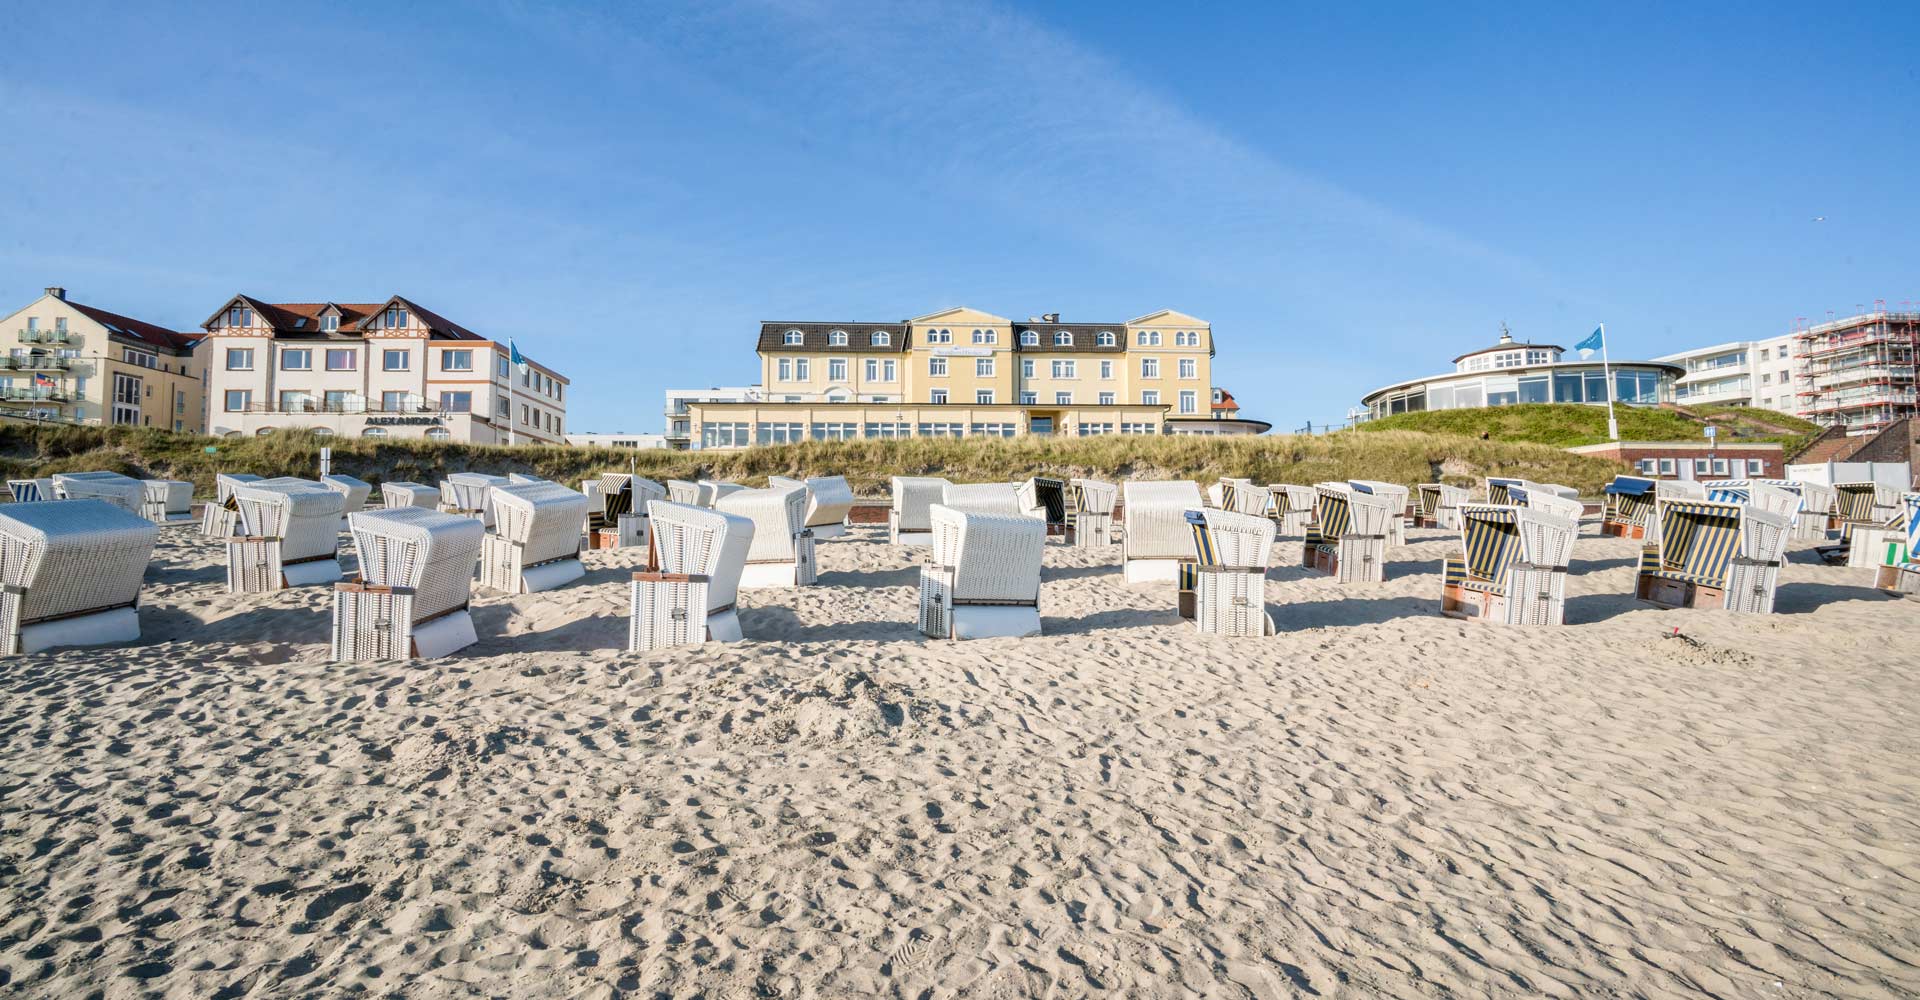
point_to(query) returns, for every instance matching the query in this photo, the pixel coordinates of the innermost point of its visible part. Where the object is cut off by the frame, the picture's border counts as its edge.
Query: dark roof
(302, 319)
(133, 329)
(1086, 337)
(773, 337)
(1509, 345)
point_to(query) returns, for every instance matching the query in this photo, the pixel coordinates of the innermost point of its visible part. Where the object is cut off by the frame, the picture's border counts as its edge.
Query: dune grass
(1565, 425)
(1397, 456)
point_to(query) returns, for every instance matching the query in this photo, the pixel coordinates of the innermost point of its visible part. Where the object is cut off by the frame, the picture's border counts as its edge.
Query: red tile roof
(158, 336)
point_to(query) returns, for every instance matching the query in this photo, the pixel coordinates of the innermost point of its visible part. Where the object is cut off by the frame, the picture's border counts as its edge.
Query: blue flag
(513, 354)
(1589, 345)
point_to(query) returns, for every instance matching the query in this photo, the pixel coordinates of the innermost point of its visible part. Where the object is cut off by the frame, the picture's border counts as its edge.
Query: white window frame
(447, 361)
(1149, 367)
(936, 367)
(1062, 397)
(836, 338)
(1189, 402)
(1149, 397)
(246, 400)
(1106, 399)
(793, 338)
(881, 338)
(1189, 368)
(983, 367)
(983, 397)
(937, 397)
(1106, 370)
(802, 369)
(288, 352)
(386, 359)
(1104, 338)
(246, 356)
(836, 369)
(1064, 368)
(1029, 338)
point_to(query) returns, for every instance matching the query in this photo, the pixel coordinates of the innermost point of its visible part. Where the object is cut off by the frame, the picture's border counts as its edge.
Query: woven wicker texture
(303, 516)
(1156, 518)
(694, 540)
(994, 557)
(983, 498)
(778, 515)
(353, 489)
(111, 487)
(431, 552)
(409, 495)
(70, 557)
(467, 491)
(912, 497)
(542, 520)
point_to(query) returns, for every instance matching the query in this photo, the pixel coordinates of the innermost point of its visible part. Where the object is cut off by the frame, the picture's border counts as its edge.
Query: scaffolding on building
(1858, 372)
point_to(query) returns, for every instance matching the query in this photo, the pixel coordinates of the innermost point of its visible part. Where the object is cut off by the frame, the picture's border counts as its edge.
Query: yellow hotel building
(963, 372)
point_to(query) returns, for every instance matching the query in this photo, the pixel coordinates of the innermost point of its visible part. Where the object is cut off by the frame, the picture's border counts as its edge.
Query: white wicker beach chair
(691, 597)
(1219, 493)
(984, 580)
(1395, 497)
(289, 536)
(782, 553)
(1349, 538)
(1090, 511)
(31, 490)
(466, 493)
(123, 492)
(534, 544)
(356, 491)
(1437, 505)
(711, 490)
(1714, 554)
(221, 518)
(416, 581)
(394, 495)
(166, 501)
(1816, 511)
(1512, 566)
(681, 491)
(1294, 507)
(70, 573)
(1044, 499)
(983, 498)
(1223, 583)
(1535, 497)
(828, 506)
(1627, 507)
(1250, 499)
(908, 522)
(1157, 537)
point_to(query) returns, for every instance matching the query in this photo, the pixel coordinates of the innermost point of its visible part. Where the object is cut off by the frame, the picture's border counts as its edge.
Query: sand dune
(1377, 802)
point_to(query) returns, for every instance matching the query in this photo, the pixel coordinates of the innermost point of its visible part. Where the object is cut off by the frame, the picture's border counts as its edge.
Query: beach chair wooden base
(1901, 579)
(1091, 531)
(1749, 590)
(501, 569)
(1353, 559)
(667, 610)
(1534, 596)
(372, 623)
(1621, 529)
(102, 627)
(1231, 602)
(629, 531)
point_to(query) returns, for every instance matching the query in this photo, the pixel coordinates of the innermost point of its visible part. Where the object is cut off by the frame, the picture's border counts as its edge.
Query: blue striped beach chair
(1349, 538)
(1293, 508)
(1223, 584)
(1497, 490)
(1437, 505)
(1627, 510)
(1512, 566)
(1714, 554)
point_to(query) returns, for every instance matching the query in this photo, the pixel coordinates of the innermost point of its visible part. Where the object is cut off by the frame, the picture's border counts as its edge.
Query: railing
(36, 362)
(11, 395)
(353, 406)
(45, 337)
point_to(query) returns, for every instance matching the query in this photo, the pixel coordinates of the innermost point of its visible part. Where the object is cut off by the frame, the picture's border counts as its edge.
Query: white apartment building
(639, 442)
(679, 423)
(1739, 373)
(387, 369)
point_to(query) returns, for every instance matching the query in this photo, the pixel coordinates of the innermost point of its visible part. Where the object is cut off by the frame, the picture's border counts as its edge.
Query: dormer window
(1062, 339)
(837, 338)
(1105, 338)
(329, 323)
(882, 338)
(794, 338)
(1029, 338)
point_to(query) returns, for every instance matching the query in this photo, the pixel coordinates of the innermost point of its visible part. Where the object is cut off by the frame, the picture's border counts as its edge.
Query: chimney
(1051, 317)
(57, 292)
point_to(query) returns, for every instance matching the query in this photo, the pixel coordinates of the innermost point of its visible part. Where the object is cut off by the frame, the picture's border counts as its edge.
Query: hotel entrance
(1042, 422)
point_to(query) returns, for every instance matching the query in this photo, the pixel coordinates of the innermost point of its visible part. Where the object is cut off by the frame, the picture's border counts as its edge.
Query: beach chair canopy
(1044, 498)
(1091, 496)
(468, 490)
(1156, 513)
(224, 483)
(356, 491)
(710, 543)
(304, 516)
(1297, 499)
(31, 490)
(71, 557)
(778, 516)
(431, 552)
(913, 496)
(409, 495)
(1489, 541)
(543, 517)
(994, 557)
(1230, 539)
(983, 498)
(1633, 486)
(1698, 539)
(124, 492)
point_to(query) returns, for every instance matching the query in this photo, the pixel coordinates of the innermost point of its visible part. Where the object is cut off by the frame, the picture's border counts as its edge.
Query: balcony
(32, 395)
(36, 363)
(45, 337)
(349, 406)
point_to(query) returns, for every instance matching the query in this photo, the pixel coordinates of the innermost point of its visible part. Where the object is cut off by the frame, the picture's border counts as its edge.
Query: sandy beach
(1379, 801)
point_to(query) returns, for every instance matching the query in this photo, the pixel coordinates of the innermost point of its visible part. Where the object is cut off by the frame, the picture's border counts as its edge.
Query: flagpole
(1606, 368)
(511, 399)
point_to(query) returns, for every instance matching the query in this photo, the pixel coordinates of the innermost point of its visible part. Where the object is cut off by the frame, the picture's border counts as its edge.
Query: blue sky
(1351, 197)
